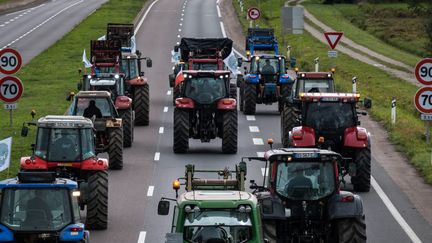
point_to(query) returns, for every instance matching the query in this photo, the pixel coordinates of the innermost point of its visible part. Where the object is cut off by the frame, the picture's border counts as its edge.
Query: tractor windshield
(330, 116)
(36, 209)
(305, 180)
(315, 85)
(64, 144)
(129, 67)
(102, 105)
(268, 65)
(205, 90)
(225, 225)
(109, 83)
(205, 66)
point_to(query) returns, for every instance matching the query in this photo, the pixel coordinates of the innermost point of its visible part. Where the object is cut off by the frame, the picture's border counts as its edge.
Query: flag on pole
(86, 62)
(5, 153)
(231, 62)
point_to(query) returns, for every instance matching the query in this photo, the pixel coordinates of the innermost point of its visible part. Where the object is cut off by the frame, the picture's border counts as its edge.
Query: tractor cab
(313, 82)
(213, 209)
(87, 104)
(113, 83)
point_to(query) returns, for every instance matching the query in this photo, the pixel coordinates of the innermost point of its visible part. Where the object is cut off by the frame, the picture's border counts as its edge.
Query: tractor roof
(35, 180)
(330, 97)
(300, 154)
(217, 198)
(65, 122)
(93, 94)
(206, 73)
(314, 75)
(267, 56)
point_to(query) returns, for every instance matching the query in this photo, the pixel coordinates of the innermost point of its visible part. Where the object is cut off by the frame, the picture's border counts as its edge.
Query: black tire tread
(142, 105)
(127, 128)
(288, 122)
(181, 130)
(115, 149)
(230, 132)
(97, 203)
(361, 181)
(351, 230)
(249, 95)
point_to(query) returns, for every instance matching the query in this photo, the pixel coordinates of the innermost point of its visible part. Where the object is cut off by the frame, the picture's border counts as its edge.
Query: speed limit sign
(11, 89)
(423, 100)
(10, 61)
(423, 71)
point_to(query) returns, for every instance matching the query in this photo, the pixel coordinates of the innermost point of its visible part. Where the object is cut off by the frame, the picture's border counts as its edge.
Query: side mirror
(24, 131)
(149, 63)
(163, 207)
(138, 53)
(367, 103)
(239, 62)
(176, 48)
(171, 78)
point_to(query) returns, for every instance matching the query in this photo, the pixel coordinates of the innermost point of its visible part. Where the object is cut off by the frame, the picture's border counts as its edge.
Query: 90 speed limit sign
(11, 89)
(10, 61)
(423, 71)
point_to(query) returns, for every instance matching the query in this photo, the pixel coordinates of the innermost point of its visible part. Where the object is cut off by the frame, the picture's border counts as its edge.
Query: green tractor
(213, 210)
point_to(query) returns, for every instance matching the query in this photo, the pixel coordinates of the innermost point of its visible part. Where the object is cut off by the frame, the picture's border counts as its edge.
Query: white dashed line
(161, 130)
(181, 19)
(169, 92)
(260, 154)
(223, 29)
(217, 2)
(150, 191)
(178, 36)
(253, 129)
(218, 11)
(157, 156)
(165, 109)
(179, 30)
(181, 24)
(258, 141)
(141, 237)
(250, 118)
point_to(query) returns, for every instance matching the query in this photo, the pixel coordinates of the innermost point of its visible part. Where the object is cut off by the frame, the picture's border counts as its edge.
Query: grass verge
(407, 134)
(49, 77)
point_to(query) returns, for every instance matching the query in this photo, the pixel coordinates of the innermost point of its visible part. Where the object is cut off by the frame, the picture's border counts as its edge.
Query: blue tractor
(267, 80)
(38, 207)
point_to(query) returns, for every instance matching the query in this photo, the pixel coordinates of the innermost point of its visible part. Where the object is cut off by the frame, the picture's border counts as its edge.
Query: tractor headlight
(76, 193)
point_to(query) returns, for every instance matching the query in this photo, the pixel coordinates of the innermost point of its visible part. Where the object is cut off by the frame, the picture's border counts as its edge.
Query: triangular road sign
(333, 38)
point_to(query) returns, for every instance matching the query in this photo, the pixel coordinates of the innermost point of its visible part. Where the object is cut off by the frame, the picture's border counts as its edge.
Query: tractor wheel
(233, 91)
(128, 128)
(142, 104)
(97, 203)
(288, 122)
(181, 130)
(229, 136)
(115, 149)
(285, 92)
(249, 96)
(352, 230)
(361, 181)
(241, 96)
(176, 94)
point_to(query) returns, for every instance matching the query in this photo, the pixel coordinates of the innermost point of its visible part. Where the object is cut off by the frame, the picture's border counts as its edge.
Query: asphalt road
(32, 30)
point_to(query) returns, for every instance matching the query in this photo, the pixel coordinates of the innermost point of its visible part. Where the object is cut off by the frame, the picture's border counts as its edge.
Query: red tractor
(65, 145)
(200, 54)
(330, 121)
(205, 111)
(136, 86)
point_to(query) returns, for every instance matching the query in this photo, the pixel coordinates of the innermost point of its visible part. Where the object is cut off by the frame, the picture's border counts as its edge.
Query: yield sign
(333, 38)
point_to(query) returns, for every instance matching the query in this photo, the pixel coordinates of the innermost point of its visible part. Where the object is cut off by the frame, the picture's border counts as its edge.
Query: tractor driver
(92, 110)
(38, 209)
(268, 68)
(299, 182)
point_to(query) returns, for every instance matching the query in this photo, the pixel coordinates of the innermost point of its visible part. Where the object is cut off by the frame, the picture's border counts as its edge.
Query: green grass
(49, 77)
(389, 29)
(372, 82)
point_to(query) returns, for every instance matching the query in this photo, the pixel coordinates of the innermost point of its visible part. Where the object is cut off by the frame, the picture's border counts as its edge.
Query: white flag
(102, 37)
(5, 153)
(175, 57)
(133, 44)
(231, 63)
(86, 62)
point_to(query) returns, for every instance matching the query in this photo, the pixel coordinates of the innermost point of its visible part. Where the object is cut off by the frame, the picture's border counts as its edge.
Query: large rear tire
(249, 106)
(97, 203)
(285, 92)
(128, 128)
(115, 149)
(229, 136)
(361, 181)
(241, 93)
(181, 130)
(351, 230)
(289, 118)
(142, 105)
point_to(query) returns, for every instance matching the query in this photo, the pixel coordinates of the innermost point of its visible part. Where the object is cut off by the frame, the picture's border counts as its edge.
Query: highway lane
(151, 165)
(33, 30)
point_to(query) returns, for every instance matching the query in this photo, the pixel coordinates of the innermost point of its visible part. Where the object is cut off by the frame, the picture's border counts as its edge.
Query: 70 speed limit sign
(423, 100)
(11, 89)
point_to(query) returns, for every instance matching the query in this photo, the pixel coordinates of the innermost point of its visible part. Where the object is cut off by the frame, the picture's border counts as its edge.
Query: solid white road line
(394, 212)
(250, 118)
(157, 156)
(161, 130)
(253, 129)
(260, 154)
(169, 92)
(218, 11)
(165, 109)
(223, 29)
(258, 141)
(141, 237)
(150, 191)
(141, 22)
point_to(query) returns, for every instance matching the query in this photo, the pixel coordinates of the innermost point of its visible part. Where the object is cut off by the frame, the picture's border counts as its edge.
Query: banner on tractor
(5, 153)
(231, 62)
(86, 61)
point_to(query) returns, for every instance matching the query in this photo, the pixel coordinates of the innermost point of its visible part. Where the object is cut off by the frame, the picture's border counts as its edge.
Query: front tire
(181, 130)
(230, 133)
(142, 104)
(351, 230)
(115, 149)
(128, 128)
(250, 97)
(97, 203)
(289, 118)
(361, 181)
